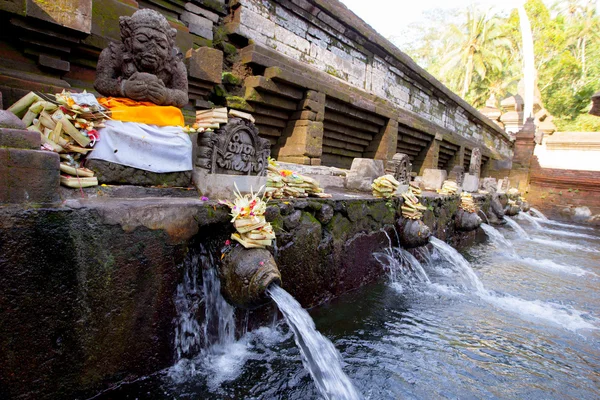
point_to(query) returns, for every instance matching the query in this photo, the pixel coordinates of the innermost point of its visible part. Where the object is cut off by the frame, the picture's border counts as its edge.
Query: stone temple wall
(332, 47)
(324, 86)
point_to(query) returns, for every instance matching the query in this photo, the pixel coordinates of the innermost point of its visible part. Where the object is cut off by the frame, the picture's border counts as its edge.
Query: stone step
(19, 139)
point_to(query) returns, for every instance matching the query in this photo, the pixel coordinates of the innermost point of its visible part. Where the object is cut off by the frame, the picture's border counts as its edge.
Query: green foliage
(477, 54)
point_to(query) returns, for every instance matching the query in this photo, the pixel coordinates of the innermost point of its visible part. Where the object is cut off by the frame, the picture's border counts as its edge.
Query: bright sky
(392, 17)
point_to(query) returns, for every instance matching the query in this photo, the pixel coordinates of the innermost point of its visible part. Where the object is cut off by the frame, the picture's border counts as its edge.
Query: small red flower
(227, 242)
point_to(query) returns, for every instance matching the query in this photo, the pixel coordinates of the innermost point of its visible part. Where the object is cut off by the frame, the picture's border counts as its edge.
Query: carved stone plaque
(457, 174)
(235, 149)
(475, 166)
(401, 167)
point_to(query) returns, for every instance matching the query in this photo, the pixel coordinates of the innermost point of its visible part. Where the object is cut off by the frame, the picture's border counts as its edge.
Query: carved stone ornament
(475, 166)
(401, 167)
(457, 174)
(235, 149)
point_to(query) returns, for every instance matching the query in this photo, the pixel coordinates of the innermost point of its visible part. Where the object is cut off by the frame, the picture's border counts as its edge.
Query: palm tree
(475, 47)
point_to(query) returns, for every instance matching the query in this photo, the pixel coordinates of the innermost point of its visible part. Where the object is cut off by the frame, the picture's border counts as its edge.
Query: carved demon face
(150, 49)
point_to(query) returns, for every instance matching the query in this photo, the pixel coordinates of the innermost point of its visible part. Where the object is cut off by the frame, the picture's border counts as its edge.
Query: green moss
(229, 49)
(239, 103)
(230, 79)
(340, 227)
(334, 72)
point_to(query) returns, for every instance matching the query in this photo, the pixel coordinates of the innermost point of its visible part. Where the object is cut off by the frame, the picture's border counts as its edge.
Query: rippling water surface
(533, 333)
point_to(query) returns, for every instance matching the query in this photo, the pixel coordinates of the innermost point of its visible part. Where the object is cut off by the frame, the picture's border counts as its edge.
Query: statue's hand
(135, 89)
(157, 92)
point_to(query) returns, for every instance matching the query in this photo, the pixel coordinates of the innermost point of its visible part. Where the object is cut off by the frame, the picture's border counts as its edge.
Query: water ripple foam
(553, 266)
(566, 317)
(568, 246)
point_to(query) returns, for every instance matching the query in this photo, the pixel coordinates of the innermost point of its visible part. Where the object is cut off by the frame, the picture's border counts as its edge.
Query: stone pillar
(27, 174)
(302, 139)
(430, 155)
(384, 144)
(458, 160)
(523, 152)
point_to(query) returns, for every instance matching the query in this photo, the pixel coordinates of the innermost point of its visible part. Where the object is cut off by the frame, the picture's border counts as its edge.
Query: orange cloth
(144, 112)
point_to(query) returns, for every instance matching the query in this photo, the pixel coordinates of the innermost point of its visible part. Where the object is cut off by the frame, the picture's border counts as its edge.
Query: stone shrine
(235, 149)
(475, 165)
(457, 174)
(400, 167)
(146, 83)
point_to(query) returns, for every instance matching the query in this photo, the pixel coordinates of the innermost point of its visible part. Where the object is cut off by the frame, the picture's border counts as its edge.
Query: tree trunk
(468, 73)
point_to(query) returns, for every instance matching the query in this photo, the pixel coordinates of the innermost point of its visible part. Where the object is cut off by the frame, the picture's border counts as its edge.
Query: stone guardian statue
(146, 65)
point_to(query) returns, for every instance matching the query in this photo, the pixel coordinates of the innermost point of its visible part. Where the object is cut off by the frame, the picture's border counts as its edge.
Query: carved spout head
(413, 233)
(245, 276)
(467, 221)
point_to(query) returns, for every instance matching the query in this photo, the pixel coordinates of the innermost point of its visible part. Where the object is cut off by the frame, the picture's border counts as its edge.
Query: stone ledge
(108, 172)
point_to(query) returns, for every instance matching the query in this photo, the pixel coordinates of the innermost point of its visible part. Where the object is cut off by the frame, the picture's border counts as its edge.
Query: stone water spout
(245, 276)
(467, 221)
(496, 211)
(413, 233)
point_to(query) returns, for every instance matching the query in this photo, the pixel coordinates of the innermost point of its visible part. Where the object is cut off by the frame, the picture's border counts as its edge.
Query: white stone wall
(325, 48)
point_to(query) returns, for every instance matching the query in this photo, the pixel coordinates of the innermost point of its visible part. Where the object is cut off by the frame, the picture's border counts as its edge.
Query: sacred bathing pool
(180, 181)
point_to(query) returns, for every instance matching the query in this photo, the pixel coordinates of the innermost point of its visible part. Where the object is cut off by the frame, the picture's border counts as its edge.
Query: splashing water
(415, 265)
(461, 266)
(564, 225)
(187, 301)
(538, 213)
(497, 238)
(319, 356)
(555, 267)
(564, 245)
(520, 231)
(531, 219)
(567, 317)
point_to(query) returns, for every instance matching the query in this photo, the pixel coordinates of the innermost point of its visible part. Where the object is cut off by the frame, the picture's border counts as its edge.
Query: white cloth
(148, 147)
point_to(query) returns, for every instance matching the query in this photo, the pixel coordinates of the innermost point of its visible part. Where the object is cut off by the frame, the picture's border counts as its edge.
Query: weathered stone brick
(191, 7)
(35, 159)
(205, 63)
(194, 19)
(19, 139)
(29, 176)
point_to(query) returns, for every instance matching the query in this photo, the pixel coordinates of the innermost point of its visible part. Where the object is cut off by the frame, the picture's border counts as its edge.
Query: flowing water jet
(517, 228)
(497, 238)
(565, 316)
(538, 213)
(530, 219)
(461, 266)
(319, 356)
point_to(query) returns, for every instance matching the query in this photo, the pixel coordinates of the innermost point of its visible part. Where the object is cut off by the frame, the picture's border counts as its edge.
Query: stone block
(112, 173)
(193, 19)
(54, 63)
(362, 174)
(10, 120)
(490, 185)
(303, 138)
(307, 115)
(471, 183)
(221, 186)
(206, 33)
(206, 64)
(29, 176)
(191, 7)
(78, 17)
(433, 179)
(311, 105)
(19, 139)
